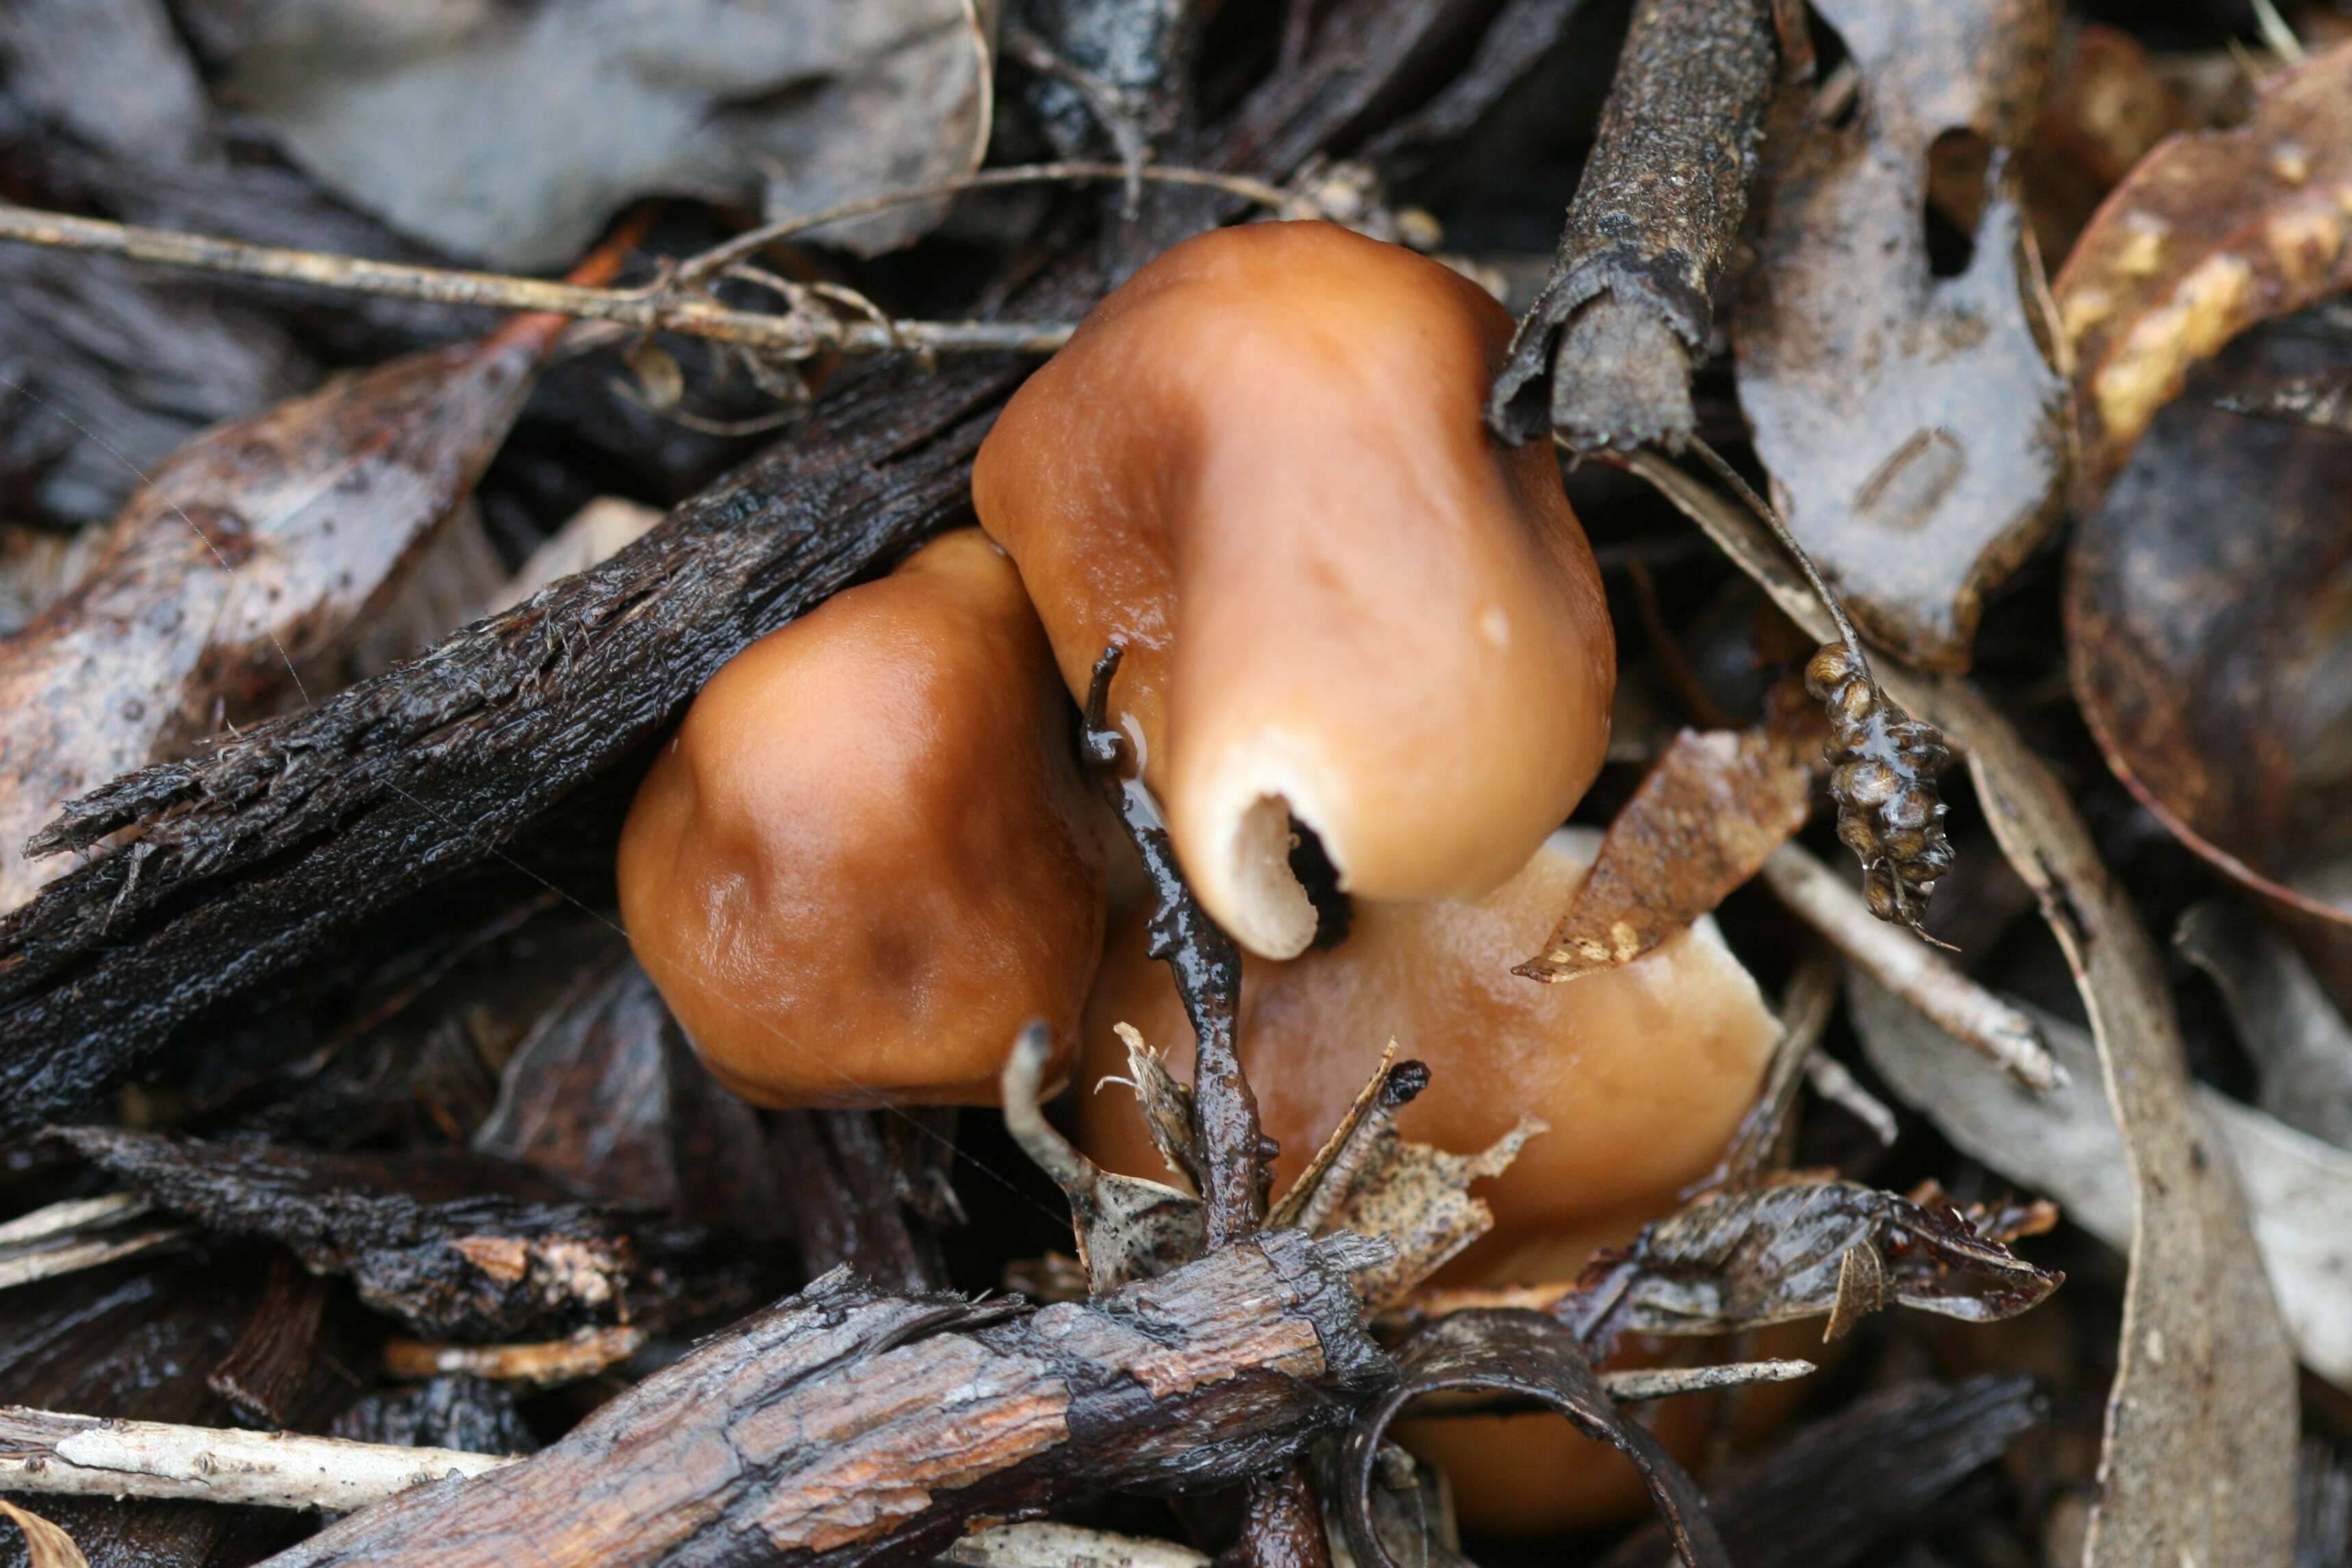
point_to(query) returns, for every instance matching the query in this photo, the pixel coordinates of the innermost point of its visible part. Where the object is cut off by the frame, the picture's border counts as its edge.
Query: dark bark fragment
(1830, 1495)
(841, 1202)
(1604, 358)
(763, 1444)
(1520, 1356)
(468, 1414)
(264, 1374)
(286, 843)
(455, 1246)
(606, 1097)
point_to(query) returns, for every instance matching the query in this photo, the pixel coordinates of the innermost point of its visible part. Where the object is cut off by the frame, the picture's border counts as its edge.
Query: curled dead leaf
(1912, 423)
(1706, 818)
(2210, 234)
(1126, 1228)
(45, 1545)
(1745, 1259)
(1527, 1356)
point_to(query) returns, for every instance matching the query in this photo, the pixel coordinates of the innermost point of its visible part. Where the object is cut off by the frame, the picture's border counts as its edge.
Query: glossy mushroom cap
(867, 857)
(1260, 466)
(1643, 1074)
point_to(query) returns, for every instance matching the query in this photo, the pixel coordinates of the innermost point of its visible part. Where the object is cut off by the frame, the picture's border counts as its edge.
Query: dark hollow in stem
(1207, 967)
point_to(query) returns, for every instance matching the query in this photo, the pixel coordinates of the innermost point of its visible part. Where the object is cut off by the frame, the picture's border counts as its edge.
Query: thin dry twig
(51, 1452)
(544, 1363)
(1928, 982)
(1805, 1011)
(661, 308)
(670, 304)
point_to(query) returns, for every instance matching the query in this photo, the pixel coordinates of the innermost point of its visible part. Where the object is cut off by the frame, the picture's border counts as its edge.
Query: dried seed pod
(1883, 766)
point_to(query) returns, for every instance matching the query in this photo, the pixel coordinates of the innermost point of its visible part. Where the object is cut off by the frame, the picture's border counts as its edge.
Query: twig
(657, 309)
(1805, 1011)
(1207, 967)
(51, 1241)
(1636, 1384)
(541, 1364)
(75, 1257)
(73, 1214)
(2001, 1032)
(1603, 356)
(1833, 1083)
(721, 257)
(81, 1455)
(1282, 1524)
(1771, 517)
(844, 1426)
(1042, 1544)
(666, 306)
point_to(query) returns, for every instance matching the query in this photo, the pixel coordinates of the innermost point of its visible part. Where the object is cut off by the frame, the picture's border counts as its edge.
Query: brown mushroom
(867, 857)
(1259, 465)
(1641, 1072)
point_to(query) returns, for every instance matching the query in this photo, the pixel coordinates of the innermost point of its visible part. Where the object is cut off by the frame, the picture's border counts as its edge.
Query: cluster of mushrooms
(1365, 646)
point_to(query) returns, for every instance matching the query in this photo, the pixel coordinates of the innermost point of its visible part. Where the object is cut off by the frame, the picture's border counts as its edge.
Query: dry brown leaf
(2210, 234)
(1913, 425)
(2208, 643)
(2106, 106)
(1418, 1198)
(2198, 1463)
(1711, 812)
(250, 556)
(46, 1546)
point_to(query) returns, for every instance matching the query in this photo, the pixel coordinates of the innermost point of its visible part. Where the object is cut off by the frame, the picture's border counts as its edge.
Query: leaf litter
(1925, 134)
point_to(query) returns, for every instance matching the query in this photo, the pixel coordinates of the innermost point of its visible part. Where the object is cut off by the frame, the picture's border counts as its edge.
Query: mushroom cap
(1260, 465)
(867, 857)
(1643, 1072)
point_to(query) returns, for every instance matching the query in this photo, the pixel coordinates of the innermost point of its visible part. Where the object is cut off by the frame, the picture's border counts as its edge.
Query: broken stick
(1602, 359)
(847, 1425)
